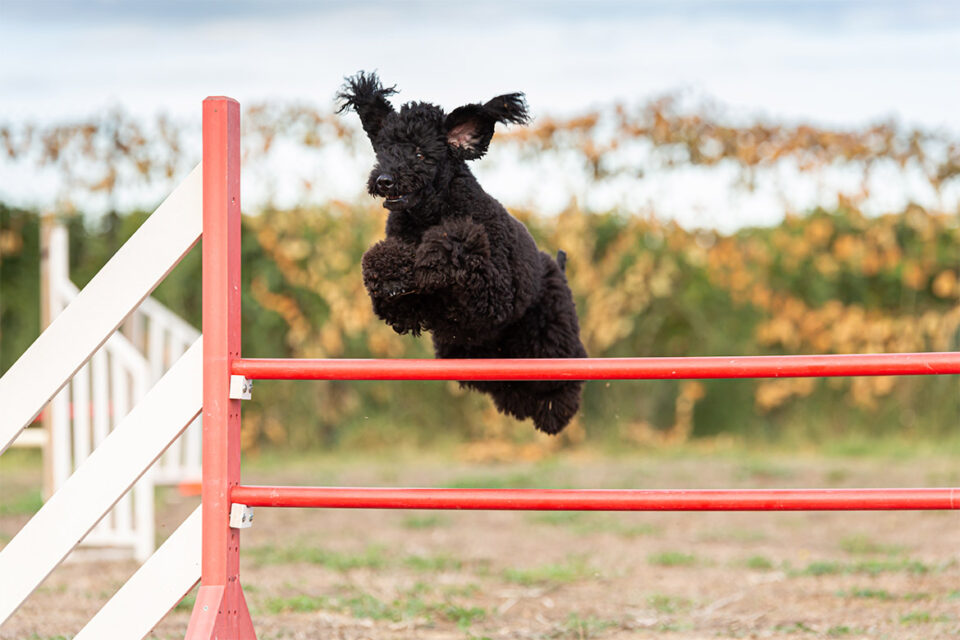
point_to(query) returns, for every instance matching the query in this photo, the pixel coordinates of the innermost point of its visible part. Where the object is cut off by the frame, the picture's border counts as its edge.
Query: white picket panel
(101, 480)
(95, 400)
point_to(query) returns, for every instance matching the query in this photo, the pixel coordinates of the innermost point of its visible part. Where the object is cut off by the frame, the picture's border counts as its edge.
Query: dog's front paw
(388, 269)
(449, 252)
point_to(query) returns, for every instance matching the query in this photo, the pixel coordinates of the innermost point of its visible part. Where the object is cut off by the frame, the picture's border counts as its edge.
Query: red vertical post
(220, 610)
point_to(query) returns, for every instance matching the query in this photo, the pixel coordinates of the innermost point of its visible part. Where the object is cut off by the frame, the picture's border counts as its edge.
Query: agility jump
(207, 546)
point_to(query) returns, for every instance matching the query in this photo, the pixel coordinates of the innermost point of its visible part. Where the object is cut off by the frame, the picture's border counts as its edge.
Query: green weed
(372, 557)
(581, 628)
(868, 567)
(842, 630)
(419, 588)
(425, 522)
(364, 605)
(668, 604)
(514, 480)
(866, 592)
(672, 559)
(794, 627)
(588, 522)
(462, 616)
(863, 545)
(758, 563)
(916, 617)
(558, 573)
(297, 604)
(436, 563)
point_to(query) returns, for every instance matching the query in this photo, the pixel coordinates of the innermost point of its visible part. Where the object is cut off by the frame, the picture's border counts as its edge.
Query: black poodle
(454, 262)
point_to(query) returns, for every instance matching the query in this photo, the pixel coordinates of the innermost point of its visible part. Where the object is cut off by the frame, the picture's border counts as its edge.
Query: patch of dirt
(459, 575)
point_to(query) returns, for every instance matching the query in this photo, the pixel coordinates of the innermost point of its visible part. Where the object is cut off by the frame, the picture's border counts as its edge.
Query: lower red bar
(599, 500)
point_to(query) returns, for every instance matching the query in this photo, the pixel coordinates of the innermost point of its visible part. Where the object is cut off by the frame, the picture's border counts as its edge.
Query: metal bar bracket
(241, 388)
(241, 516)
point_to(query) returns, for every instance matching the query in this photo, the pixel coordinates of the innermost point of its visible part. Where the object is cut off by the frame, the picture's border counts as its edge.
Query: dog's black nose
(384, 181)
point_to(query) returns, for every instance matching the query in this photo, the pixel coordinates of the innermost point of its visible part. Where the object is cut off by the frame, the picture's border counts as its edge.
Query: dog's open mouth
(398, 202)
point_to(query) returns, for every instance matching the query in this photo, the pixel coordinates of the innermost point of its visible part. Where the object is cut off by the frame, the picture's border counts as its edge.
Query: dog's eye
(420, 155)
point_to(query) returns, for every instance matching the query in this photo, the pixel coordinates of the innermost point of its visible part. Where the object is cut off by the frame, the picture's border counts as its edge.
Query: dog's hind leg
(552, 411)
(551, 405)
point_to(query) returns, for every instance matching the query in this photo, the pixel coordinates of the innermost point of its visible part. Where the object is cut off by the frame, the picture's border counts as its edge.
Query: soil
(434, 575)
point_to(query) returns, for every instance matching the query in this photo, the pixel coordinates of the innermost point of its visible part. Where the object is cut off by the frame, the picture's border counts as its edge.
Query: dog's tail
(562, 260)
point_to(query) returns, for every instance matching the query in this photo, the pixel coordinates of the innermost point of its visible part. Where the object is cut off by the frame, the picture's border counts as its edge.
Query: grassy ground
(437, 575)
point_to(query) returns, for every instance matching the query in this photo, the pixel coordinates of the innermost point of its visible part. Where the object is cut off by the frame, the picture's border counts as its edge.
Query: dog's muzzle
(386, 187)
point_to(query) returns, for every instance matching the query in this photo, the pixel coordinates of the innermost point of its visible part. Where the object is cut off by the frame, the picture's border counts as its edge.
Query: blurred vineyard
(826, 281)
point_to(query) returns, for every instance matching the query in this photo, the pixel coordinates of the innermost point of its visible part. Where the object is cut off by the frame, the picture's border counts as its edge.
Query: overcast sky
(829, 63)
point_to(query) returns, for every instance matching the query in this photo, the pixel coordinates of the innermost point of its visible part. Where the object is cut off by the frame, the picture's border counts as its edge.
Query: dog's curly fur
(454, 262)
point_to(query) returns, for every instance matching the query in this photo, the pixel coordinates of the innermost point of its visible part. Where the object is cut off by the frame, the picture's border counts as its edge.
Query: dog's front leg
(455, 258)
(388, 275)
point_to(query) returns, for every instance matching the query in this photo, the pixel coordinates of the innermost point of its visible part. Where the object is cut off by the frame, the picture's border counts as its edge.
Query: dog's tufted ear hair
(364, 94)
(470, 127)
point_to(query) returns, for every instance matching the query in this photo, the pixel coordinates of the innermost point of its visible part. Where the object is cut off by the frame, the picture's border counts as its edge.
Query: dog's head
(419, 148)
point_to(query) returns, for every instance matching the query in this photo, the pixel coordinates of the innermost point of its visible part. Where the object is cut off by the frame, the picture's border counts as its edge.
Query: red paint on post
(860, 364)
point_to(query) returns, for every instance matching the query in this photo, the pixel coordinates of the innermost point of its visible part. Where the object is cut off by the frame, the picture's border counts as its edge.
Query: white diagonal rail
(129, 277)
(101, 480)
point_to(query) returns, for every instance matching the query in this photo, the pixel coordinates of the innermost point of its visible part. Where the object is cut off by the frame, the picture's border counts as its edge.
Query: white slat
(100, 481)
(119, 398)
(101, 397)
(133, 272)
(60, 434)
(155, 349)
(143, 512)
(80, 390)
(173, 458)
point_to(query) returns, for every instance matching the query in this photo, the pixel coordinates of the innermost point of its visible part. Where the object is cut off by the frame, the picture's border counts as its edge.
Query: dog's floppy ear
(364, 94)
(470, 127)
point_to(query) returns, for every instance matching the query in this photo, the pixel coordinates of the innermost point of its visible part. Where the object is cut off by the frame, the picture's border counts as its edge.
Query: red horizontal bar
(598, 500)
(867, 364)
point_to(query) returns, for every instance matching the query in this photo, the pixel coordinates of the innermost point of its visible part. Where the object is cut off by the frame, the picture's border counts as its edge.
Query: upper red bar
(871, 364)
